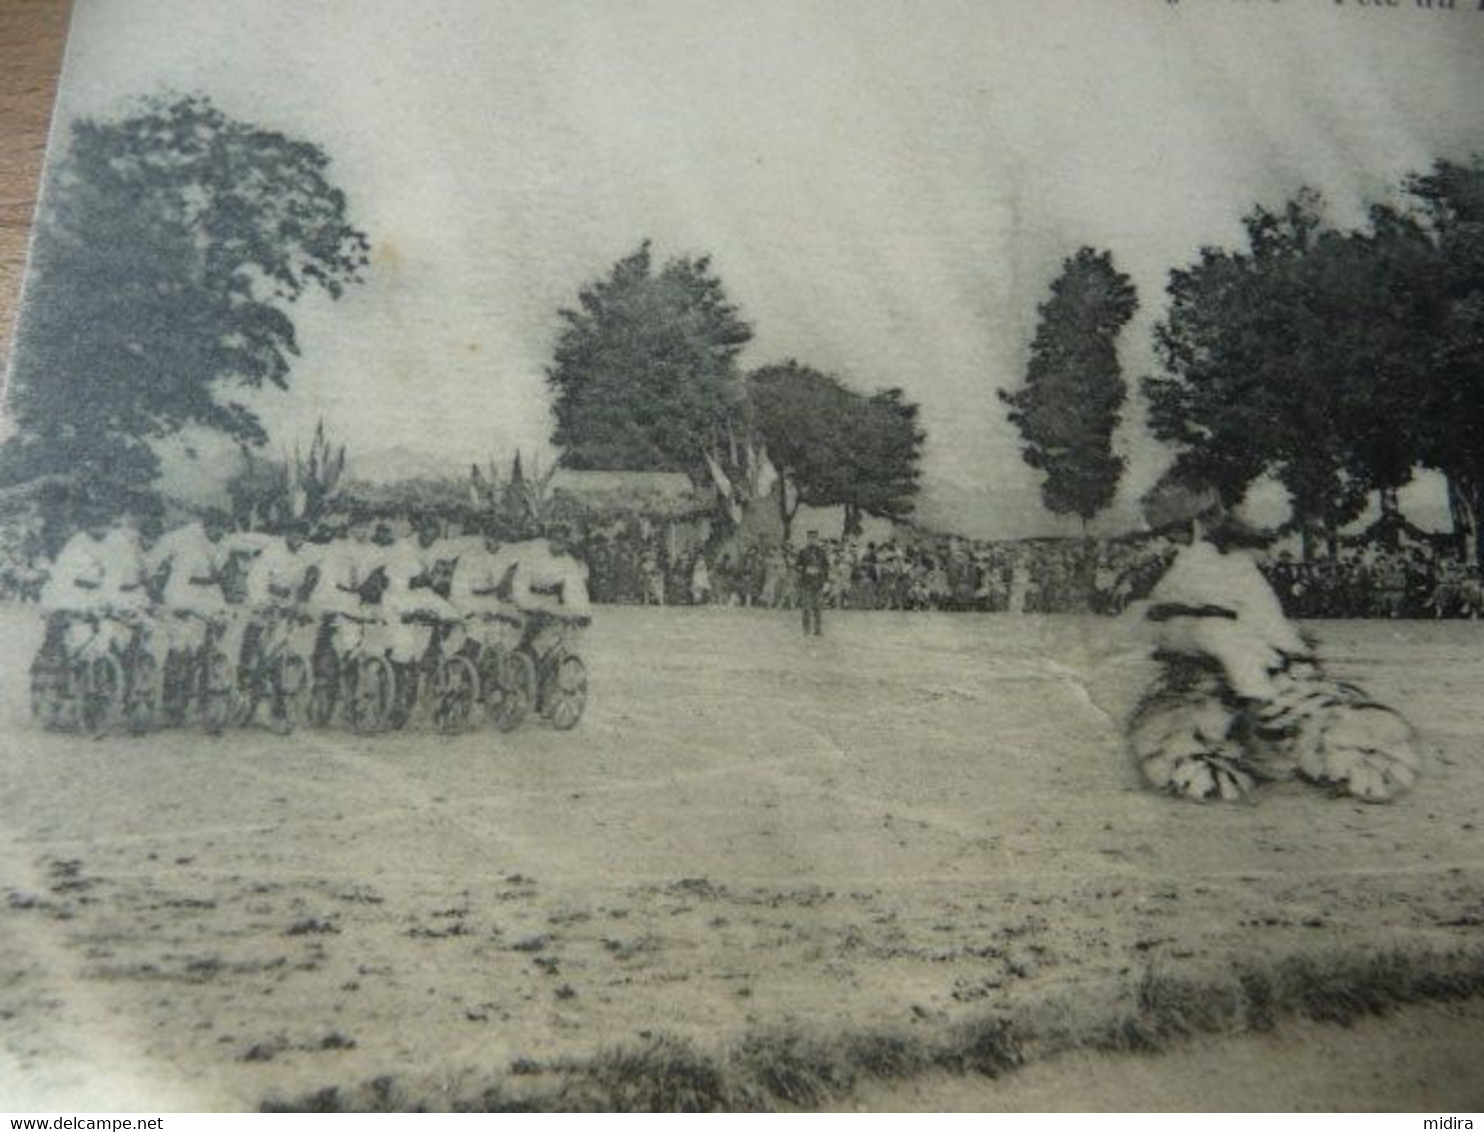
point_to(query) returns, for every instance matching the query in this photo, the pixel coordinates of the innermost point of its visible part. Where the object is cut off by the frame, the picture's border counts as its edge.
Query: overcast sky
(887, 188)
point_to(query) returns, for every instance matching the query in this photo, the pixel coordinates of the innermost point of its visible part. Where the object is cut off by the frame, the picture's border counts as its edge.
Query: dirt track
(914, 821)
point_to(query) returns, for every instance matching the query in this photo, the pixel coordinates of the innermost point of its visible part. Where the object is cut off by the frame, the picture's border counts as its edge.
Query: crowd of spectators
(1032, 576)
(925, 572)
(632, 563)
(1372, 581)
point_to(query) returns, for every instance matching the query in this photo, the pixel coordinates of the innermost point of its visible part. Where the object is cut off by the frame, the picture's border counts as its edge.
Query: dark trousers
(811, 601)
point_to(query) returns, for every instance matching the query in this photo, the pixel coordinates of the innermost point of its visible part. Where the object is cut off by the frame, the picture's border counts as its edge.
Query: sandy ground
(914, 821)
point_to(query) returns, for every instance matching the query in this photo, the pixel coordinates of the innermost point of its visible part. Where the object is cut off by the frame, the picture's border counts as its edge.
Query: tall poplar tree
(1074, 390)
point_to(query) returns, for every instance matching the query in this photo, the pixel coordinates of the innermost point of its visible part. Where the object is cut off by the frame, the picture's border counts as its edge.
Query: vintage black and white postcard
(641, 554)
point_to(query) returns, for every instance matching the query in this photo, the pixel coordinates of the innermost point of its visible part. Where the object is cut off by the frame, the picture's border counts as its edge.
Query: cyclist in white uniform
(536, 576)
(125, 592)
(274, 578)
(409, 605)
(473, 587)
(342, 572)
(271, 592)
(75, 584)
(124, 574)
(191, 559)
(344, 565)
(74, 596)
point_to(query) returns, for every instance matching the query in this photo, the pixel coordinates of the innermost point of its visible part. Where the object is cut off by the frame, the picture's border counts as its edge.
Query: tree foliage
(645, 367)
(833, 446)
(1380, 310)
(1451, 201)
(802, 416)
(1074, 390)
(1252, 391)
(1335, 361)
(171, 243)
(886, 453)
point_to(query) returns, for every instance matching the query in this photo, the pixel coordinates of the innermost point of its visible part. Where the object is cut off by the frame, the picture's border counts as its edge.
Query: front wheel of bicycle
(144, 693)
(296, 688)
(455, 693)
(513, 691)
(217, 692)
(566, 693)
(102, 682)
(49, 696)
(370, 702)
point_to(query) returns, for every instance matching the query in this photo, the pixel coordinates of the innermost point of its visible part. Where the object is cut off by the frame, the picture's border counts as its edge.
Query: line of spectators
(1370, 581)
(630, 563)
(1037, 576)
(945, 573)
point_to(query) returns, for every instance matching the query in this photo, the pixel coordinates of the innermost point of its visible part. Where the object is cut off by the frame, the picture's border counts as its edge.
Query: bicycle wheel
(249, 688)
(144, 692)
(296, 688)
(407, 687)
(175, 689)
(49, 695)
(565, 698)
(371, 697)
(324, 690)
(514, 690)
(216, 689)
(103, 693)
(455, 692)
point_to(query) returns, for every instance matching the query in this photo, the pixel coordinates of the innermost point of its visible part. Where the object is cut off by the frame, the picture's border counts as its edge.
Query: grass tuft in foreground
(787, 1070)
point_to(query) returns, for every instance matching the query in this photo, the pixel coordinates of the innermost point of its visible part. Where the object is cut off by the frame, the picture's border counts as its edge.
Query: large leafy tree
(1451, 197)
(1310, 355)
(801, 415)
(1336, 361)
(1254, 386)
(1380, 308)
(833, 446)
(885, 452)
(172, 244)
(645, 367)
(1074, 390)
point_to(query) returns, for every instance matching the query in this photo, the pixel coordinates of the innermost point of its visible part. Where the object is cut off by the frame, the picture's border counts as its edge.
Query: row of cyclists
(372, 631)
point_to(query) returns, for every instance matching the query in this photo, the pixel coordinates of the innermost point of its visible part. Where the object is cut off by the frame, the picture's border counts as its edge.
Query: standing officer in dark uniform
(813, 565)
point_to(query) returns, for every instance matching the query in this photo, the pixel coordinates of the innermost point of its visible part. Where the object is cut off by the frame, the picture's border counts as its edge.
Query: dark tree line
(175, 241)
(645, 377)
(1337, 361)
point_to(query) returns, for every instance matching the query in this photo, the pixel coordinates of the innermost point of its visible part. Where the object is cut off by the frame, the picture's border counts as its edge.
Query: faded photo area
(792, 555)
